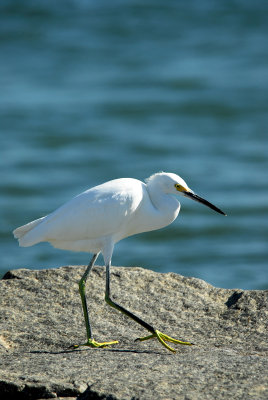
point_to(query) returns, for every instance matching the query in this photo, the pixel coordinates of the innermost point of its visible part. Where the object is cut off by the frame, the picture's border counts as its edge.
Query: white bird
(98, 218)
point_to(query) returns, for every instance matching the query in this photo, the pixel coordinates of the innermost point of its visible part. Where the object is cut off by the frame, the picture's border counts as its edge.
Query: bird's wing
(98, 212)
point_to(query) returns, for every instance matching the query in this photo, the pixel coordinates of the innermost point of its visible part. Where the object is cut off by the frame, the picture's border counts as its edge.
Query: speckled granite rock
(41, 316)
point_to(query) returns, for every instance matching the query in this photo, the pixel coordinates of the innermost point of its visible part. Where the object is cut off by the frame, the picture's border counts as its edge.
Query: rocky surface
(41, 316)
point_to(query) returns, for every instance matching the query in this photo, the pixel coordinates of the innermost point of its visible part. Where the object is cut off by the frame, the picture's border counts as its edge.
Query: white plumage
(98, 218)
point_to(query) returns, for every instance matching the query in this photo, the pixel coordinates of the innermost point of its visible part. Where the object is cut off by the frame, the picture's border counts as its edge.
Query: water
(92, 91)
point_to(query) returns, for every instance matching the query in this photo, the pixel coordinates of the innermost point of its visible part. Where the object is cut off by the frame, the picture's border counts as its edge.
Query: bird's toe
(94, 344)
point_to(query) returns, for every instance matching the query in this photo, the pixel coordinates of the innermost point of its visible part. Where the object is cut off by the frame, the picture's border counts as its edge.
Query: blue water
(96, 90)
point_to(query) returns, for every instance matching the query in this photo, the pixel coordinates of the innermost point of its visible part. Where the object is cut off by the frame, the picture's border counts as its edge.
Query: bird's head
(173, 184)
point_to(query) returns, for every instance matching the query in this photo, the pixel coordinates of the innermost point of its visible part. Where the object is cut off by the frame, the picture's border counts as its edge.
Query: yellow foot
(93, 343)
(163, 339)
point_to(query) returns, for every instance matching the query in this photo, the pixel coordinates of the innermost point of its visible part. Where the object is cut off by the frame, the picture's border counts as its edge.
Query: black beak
(194, 196)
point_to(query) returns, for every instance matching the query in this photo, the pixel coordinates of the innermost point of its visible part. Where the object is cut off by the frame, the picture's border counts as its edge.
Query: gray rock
(41, 316)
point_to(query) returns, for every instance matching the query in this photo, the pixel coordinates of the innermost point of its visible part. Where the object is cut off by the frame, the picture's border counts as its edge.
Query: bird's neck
(163, 202)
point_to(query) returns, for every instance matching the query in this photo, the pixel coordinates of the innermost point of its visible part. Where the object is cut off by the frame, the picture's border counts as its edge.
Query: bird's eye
(177, 186)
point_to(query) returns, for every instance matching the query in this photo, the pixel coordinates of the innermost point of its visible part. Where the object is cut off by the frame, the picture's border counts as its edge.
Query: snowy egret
(98, 218)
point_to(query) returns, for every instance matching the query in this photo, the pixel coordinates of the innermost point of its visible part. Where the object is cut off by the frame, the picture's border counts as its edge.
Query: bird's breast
(146, 219)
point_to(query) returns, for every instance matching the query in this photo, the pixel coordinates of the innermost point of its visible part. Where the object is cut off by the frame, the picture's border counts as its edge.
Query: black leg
(120, 308)
(82, 284)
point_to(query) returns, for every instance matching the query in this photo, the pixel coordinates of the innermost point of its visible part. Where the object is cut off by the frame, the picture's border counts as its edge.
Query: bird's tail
(21, 232)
